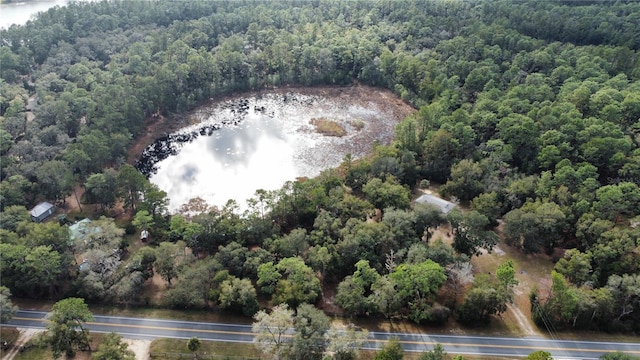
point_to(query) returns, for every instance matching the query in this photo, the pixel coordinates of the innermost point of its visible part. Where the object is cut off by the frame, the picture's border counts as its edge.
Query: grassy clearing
(9, 334)
(35, 349)
(369, 355)
(328, 127)
(163, 348)
(532, 270)
(35, 353)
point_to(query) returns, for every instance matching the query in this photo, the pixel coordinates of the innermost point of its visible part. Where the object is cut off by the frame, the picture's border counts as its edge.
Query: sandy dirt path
(25, 336)
(139, 347)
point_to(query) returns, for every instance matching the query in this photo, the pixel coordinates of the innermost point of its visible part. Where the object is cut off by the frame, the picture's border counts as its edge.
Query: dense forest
(528, 116)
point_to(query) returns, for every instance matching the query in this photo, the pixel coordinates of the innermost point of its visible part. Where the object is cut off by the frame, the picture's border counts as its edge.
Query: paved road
(139, 328)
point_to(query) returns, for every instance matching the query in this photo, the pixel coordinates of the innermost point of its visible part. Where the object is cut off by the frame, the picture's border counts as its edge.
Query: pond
(261, 140)
(19, 12)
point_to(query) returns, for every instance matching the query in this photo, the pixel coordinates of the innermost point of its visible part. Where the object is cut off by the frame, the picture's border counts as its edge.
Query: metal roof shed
(444, 205)
(42, 211)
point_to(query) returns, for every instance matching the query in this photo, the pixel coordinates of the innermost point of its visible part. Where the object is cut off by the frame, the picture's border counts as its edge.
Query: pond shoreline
(159, 126)
(230, 147)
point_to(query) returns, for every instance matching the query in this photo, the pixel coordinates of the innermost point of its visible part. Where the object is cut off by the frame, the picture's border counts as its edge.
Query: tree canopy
(525, 112)
(66, 330)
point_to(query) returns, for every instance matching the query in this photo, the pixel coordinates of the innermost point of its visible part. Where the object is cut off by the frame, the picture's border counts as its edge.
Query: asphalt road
(140, 328)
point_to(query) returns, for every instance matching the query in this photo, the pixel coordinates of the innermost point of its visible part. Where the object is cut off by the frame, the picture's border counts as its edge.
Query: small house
(42, 211)
(444, 205)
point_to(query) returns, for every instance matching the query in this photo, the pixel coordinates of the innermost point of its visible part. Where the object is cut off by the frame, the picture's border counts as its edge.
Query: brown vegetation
(328, 127)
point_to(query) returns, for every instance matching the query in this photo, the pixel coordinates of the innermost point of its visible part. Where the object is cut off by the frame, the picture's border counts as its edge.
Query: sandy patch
(139, 347)
(524, 323)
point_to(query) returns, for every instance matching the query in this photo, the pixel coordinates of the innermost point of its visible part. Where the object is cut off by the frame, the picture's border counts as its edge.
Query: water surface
(261, 141)
(19, 13)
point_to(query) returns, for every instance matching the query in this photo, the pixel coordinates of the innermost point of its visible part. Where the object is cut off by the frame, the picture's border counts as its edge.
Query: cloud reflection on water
(268, 143)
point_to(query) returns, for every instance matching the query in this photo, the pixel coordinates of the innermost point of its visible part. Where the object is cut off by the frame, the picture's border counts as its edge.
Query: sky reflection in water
(230, 164)
(272, 143)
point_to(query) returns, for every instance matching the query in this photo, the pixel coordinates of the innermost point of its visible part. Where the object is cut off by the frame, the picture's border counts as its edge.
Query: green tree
(440, 151)
(575, 266)
(128, 288)
(535, 226)
(293, 244)
(626, 290)
(66, 329)
(437, 353)
(466, 181)
(618, 355)
(614, 254)
(143, 220)
(520, 132)
(239, 295)
(470, 232)
(354, 289)
(154, 200)
(194, 286)
(55, 180)
(319, 258)
(13, 215)
(268, 277)
(613, 200)
(169, 258)
(102, 188)
(43, 234)
(427, 217)
(194, 345)
(31, 272)
(482, 301)
(562, 305)
(344, 342)
(365, 275)
(392, 350)
(233, 257)
(506, 275)
(350, 297)
(7, 309)
(417, 285)
(384, 297)
(539, 355)
(417, 281)
(298, 284)
(15, 190)
(131, 183)
(362, 240)
(310, 325)
(401, 223)
(113, 348)
(489, 296)
(488, 205)
(271, 329)
(386, 194)
(386, 165)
